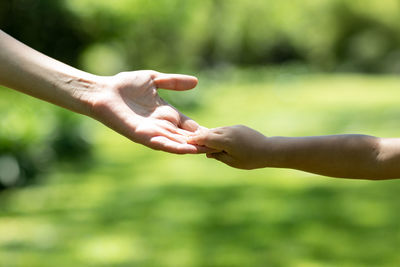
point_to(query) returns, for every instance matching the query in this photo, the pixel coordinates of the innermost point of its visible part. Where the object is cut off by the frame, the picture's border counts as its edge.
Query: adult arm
(127, 102)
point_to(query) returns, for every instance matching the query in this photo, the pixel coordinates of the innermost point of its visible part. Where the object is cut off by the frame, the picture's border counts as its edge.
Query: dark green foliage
(187, 35)
(34, 137)
(27, 160)
(45, 25)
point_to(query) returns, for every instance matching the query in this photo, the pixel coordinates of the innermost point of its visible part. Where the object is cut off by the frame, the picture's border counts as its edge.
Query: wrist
(261, 156)
(83, 91)
(273, 152)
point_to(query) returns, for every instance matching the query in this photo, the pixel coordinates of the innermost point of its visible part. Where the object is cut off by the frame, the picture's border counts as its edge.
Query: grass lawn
(131, 206)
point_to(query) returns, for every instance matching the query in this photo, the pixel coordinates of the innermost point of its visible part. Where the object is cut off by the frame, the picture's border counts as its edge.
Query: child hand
(238, 146)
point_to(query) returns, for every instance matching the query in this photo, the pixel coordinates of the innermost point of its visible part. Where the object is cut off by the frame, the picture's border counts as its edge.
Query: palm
(132, 106)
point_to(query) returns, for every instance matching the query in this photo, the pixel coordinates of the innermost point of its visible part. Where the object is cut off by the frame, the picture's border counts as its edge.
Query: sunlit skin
(127, 102)
(343, 156)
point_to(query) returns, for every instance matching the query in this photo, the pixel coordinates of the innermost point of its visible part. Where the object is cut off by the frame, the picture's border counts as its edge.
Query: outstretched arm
(345, 156)
(127, 102)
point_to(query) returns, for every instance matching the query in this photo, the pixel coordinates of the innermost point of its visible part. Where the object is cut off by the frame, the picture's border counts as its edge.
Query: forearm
(346, 156)
(30, 72)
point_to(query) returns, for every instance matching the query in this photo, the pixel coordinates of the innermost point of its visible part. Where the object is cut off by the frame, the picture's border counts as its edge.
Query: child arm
(344, 156)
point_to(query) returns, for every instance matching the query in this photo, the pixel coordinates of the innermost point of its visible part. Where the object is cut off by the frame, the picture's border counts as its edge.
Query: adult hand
(129, 104)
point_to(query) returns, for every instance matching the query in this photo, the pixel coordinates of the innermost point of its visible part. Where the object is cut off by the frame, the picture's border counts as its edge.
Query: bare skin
(127, 102)
(342, 156)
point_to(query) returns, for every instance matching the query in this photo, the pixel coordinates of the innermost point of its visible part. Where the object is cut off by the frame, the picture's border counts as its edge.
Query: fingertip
(189, 125)
(177, 82)
(198, 140)
(199, 135)
(202, 130)
(194, 80)
(187, 149)
(171, 146)
(192, 140)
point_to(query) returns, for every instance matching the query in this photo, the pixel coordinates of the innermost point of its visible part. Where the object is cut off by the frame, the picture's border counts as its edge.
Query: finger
(187, 123)
(192, 134)
(170, 113)
(184, 132)
(167, 145)
(176, 82)
(172, 136)
(168, 126)
(167, 113)
(209, 139)
(199, 139)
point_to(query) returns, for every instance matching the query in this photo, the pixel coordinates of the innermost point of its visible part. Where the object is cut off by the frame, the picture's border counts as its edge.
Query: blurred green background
(74, 193)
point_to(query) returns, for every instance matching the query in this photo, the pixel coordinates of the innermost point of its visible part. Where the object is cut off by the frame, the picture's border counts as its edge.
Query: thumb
(178, 82)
